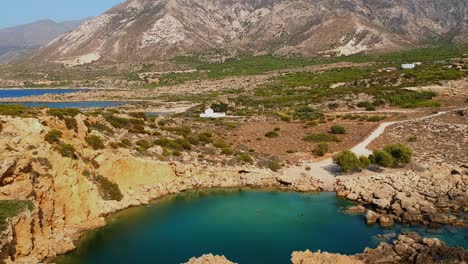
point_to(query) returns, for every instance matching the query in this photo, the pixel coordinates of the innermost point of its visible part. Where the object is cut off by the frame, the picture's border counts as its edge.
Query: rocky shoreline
(431, 197)
(407, 248)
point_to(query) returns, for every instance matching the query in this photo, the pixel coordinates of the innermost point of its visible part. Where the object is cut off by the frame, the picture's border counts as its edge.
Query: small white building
(210, 113)
(408, 66)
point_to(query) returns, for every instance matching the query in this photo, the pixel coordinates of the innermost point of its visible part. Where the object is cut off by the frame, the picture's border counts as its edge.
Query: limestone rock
(209, 259)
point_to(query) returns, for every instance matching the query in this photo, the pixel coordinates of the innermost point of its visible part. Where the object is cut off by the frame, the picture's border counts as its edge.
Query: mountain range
(25, 39)
(139, 30)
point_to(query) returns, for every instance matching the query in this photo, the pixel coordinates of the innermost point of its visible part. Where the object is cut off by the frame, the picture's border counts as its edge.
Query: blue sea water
(247, 226)
(17, 93)
(87, 104)
(14, 93)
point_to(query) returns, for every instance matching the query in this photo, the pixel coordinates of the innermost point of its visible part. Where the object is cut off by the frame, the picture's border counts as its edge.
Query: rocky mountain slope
(153, 29)
(23, 39)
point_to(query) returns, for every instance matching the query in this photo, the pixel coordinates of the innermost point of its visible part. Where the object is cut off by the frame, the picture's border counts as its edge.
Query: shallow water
(101, 104)
(246, 226)
(14, 93)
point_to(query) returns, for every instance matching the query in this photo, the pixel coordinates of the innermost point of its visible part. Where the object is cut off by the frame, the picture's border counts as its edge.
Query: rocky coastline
(406, 248)
(429, 197)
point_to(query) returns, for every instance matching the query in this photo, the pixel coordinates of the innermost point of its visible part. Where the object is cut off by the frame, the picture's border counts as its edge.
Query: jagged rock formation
(144, 29)
(434, 197)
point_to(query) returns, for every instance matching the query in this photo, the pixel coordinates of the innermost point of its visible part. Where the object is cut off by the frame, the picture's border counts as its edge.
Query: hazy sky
(15, 12)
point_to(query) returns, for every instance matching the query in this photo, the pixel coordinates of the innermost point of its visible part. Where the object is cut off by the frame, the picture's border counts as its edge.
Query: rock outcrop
(435, 197)
(407, 248)
(209, 259)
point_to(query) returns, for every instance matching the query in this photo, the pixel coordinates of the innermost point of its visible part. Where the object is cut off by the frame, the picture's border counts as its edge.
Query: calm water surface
(13, 93)
(96, 104)
(244, 225)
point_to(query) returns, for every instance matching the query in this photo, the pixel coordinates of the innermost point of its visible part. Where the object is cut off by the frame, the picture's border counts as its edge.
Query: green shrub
(320, 138)
(67, 150)
(11, 208)
(221, 144)
(168, 143)
(412, 99)
(219, 107)
(166, 152)
(347, 160)
(108, 190)
(365, 162)
(402, 154)
(364, 104)
(126, 142)
(205, 138)
(274, 165)
(117, 122)
(144, 144)
(181, 131)
(382, 158)
(61, 113)
(184, 143)
(227, 151)
(139, 115)
(193, 140)
(17, 110)
(53, 136)
(337, 129)
(321, 149)
(272, 134)
(70, 123)
(375, 118)
(370, 108)
(244, 157)
(95, 142)
(100, 127)
(307, 113)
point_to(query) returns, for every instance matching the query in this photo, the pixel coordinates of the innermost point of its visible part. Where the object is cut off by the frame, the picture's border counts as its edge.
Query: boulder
(371, 217)
(386, 221)
(381, 203)
(358, 209)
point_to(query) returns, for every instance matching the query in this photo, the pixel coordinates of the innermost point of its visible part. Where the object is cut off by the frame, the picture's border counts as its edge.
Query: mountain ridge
(142, 29)
(23, 39)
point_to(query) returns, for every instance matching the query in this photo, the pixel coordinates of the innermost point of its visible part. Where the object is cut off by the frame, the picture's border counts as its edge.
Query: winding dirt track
(324, 170)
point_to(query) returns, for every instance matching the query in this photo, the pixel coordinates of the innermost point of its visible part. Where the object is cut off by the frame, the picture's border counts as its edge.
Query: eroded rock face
(432, 197)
